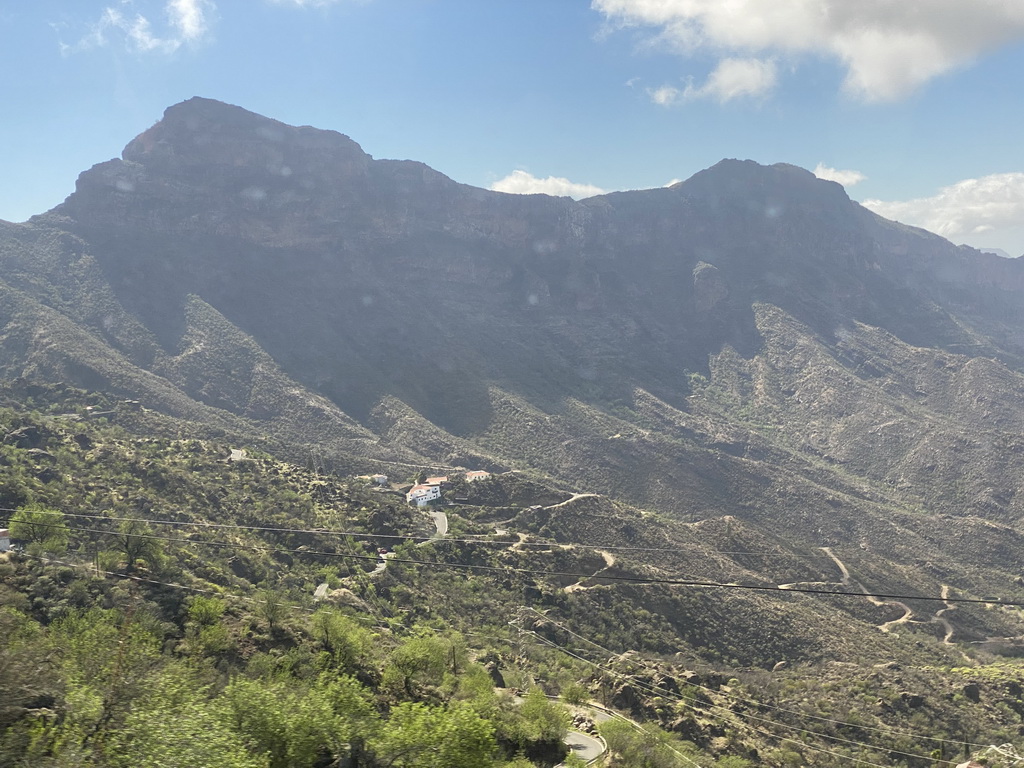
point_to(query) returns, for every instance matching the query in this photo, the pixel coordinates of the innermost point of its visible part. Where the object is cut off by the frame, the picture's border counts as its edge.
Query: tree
(575, 693)
(271, 609)
(543, 720)
(28, 667)
(177, 723)
(41, 525)
(204, 633)
(136, 541)
(348, 643)
(206, 611)
(642, 747)
(424, 659)
(106, 659)
(434, 737)
(295, 724)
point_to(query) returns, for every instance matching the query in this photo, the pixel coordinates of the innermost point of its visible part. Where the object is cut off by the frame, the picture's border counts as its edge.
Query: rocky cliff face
(365, 278)
(282, 275)
(745, 379)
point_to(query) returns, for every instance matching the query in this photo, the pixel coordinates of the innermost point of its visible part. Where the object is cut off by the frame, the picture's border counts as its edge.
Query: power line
(219, 593)
(566, 651)
(860, 760)
(672, 694)
(652, 689)
(363, 534)
(543, 641)
(134, 577)
(678, 582)
(747, 700)
(385, 625)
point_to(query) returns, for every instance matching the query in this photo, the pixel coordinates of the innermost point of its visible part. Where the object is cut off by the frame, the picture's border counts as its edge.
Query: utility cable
(220, 593)
(657, 690)
(675, 695)
(755, 702)
(546, 642)
(652, 689)
(708, 706)
(678, 582)
(365, 535)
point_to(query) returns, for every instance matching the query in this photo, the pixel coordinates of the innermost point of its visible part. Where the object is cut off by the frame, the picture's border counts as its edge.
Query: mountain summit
(746, 363)
(231, 267)
(732, 423)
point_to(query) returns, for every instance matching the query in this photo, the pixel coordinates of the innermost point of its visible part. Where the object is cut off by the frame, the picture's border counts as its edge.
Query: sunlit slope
(748, 343)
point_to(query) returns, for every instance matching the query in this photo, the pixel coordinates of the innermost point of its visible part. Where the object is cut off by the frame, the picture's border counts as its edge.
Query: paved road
(383, 564)
(440, 522)
(583, 745)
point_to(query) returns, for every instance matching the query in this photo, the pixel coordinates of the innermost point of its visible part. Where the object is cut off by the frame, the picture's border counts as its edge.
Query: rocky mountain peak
(218, 166)
(200, 131)
(771, 188)
(251, 214)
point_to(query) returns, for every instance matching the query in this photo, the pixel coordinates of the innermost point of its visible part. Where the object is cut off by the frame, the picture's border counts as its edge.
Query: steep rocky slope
(748, 344)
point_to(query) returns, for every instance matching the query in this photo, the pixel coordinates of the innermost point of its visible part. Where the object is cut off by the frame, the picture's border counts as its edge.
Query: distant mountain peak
(203, 131)
(749, 180)
(204, 155)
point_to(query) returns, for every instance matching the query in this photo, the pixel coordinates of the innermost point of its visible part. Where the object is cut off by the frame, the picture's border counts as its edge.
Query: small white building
(379, 479)
(421, 495)
(477, 474)
(5, 540)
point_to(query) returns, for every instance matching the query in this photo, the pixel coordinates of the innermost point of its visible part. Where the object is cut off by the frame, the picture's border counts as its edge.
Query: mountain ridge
(695, 401)
(636, 343)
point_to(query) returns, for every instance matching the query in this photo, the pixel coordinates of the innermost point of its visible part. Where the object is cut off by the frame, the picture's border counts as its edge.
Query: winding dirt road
(572, 499)
(939, 618)
(846, 580)
(609, 561)
(908, 614)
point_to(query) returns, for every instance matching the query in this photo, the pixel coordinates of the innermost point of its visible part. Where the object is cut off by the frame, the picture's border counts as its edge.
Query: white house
(5, 540)
(476, 474)
(421, 495)
(379, 479)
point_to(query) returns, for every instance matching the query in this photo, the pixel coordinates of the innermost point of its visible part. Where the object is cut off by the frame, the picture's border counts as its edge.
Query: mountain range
(747, 352)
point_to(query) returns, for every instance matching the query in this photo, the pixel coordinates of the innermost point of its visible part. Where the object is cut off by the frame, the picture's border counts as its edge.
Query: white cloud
(985, 212)
(887, 47)
(95, 37)
(139, 33)
(523, 183)
(189, 17)
(731, 79)
(187, 20)
(666, 96)
(846, 178)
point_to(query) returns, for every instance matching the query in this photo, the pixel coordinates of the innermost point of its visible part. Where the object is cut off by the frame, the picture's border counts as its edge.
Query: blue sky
(915, 105)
